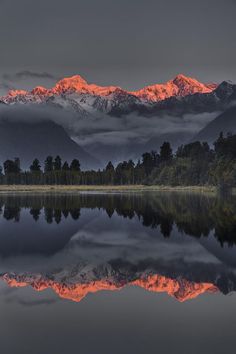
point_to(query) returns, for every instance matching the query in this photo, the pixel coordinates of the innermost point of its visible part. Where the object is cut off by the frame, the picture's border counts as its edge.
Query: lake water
(117, 273)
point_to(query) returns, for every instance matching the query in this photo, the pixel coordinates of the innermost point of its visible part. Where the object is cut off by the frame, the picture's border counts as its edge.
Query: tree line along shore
(195, 164)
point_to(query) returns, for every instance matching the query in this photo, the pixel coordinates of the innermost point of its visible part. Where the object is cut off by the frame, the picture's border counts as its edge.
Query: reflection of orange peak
(181, 289)
(180, 86)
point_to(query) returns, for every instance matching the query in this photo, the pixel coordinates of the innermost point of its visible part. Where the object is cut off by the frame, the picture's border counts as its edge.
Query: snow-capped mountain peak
(180, 86)
(76, 94)
(40, 91)
(70, 84)
(14, 93)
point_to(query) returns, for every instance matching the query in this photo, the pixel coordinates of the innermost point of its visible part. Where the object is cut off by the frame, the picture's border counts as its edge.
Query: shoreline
(102, 188)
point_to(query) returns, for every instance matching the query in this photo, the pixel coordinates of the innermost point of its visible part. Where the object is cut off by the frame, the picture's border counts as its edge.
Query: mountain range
(180, 86)
(84, 98)
(93, 106)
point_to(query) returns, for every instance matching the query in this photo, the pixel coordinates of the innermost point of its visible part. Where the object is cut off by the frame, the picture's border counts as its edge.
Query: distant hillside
(30, 140)
(225, 122)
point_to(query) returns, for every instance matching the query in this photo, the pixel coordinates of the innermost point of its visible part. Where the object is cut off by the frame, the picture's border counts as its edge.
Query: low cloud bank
(119, 131)
(105, 129)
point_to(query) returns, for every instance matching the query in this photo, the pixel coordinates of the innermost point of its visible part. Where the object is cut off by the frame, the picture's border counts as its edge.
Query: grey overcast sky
(130, 43)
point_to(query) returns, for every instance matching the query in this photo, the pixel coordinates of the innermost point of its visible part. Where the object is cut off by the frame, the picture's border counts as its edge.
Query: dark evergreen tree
(166, 153)
(65, 166)
(12, 166)
(8, 166)
(75, 165)
(110, 167)
(35, 167)
(17, 165)
(48, 164)
(219, 144)
(109, 173)
(149, 161)
(57, 164)
(130, 164)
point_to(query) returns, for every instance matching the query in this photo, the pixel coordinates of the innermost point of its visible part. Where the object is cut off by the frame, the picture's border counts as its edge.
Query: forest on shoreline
(193, 164)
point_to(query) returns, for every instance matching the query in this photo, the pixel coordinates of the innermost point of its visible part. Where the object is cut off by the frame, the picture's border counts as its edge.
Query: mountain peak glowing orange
(180, 86)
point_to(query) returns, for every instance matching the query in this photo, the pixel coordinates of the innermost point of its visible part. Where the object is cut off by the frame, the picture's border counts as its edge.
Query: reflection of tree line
(50, 214)
(53, 208)
(193, 214)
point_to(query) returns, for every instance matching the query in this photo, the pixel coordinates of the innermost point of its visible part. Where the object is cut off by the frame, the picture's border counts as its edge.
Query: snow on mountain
(216, 100)
(78, 95)
(179, 87)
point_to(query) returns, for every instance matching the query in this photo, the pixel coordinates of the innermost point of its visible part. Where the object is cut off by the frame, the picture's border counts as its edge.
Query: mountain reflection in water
(178, 243)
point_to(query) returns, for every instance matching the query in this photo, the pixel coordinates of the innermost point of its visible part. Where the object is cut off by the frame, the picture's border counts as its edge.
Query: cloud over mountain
(25, 74)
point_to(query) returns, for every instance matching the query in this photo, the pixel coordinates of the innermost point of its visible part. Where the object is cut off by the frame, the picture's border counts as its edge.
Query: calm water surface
(117, 273)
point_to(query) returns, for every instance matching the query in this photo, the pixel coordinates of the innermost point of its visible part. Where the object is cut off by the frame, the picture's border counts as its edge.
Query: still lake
(130, 273)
